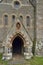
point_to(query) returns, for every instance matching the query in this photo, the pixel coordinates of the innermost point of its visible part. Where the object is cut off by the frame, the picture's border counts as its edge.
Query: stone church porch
(17, 48)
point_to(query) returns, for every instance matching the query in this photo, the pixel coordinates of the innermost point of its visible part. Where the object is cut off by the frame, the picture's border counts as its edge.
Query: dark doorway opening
(17, 46)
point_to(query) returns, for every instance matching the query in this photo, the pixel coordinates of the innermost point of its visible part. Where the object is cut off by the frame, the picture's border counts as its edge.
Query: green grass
(36, 61)
(1, 61)
(33, 61)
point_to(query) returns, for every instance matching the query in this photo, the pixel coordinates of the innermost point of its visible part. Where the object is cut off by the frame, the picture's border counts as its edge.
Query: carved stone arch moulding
(15, 35)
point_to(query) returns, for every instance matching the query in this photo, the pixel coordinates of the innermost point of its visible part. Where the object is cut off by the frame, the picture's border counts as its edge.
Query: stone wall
(7, 7)
(39, 18)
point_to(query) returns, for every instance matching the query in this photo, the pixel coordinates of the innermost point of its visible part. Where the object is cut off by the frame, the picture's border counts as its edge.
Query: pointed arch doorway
(17, 46)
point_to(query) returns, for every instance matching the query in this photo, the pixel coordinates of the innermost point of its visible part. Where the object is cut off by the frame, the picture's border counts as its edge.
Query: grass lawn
(33, 61)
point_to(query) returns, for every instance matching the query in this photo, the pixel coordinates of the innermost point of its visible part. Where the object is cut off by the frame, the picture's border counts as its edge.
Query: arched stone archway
(18, 45)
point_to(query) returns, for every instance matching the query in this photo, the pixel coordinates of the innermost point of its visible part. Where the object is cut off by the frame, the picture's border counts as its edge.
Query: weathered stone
(10, 31)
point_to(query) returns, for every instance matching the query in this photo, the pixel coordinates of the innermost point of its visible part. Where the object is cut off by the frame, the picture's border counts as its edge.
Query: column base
(7, 56)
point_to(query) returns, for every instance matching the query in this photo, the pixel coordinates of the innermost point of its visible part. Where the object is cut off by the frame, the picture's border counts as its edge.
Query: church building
(17, 30)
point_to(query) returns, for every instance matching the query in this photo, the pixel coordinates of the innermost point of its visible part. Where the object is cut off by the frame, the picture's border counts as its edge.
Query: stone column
(28, 51)
(7, 54)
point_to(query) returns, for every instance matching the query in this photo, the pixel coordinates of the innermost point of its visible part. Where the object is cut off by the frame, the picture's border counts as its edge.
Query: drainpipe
(33, 3)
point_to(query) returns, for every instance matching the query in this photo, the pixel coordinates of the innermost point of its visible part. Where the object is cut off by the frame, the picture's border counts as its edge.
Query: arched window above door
(13, 18)
(21, 18)
(6, 19)
(28, 20)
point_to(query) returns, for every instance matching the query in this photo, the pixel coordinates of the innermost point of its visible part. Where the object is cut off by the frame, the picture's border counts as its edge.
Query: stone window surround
(21, 17)
(3, 17)
(15, 17)
(26, 20)
(18, 1)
